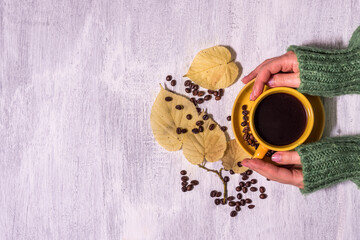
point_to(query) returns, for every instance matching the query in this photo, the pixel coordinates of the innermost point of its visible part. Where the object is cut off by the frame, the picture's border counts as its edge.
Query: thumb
(284, 80)
(291, 157)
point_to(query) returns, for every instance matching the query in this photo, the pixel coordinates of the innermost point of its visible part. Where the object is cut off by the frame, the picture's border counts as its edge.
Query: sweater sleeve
(329, 73)
(329, 161)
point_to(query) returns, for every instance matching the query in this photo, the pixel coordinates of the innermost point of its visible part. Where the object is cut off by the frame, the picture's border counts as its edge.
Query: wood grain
(77, 81)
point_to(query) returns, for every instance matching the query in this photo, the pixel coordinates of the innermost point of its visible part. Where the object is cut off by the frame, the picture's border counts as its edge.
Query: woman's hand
(290, 174)
(282, 71)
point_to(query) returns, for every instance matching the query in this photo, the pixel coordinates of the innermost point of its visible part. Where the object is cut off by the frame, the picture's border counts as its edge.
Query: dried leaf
(209, 144)
(165, 119)
(213, 68)
(233, 155)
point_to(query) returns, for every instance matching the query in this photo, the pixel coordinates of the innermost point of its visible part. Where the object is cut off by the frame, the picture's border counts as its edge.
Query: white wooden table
(77, 156)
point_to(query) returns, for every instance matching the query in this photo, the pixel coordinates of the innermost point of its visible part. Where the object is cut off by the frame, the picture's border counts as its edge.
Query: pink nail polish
(271, 82)
(276, 157)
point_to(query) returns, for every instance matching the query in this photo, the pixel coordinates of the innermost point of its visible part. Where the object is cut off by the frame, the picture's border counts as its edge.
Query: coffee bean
(201, 93)
(195, 92)
(246, 129)
(184, 130)
(216, 93)
(179, 107)
(228, 118)
(262, 189)
(223, 201)
(200, 101)
(244, 107)
(231, 203)
(210, 91)
(237, 208)
(193, 100)
(243, 123)
(205, 117)
(218, 194)
(244, 189)
(241, 184)
(195, 130)
(211, 127)
(232, 172)
(256, 146)
(249, 172)
(245, 112)
(168, 77)
(187, 83)
(196, 87)
(189, 116)
(223, 128)
(239, 196)
(187, 90)
(207, 97)
(213, 193)
(248, 200)
(178, 130)
(253, 181)
(189, 187)
(251, 206)
(168, 99)
(263, 196)
(191, 85)
(239, 164)
(242, 202)
(184, 184)
(194, 182)
(253, 189)
(198, 110)
(184, 189)
(237, 204)
(199, 123)
(184, 178)
(201, 129)
(248, 184)
(238, 188)
(221, 92)
(173, 83)
(226, 179)
(246, 136)
(217, 98)
(233, 213)
(245, 178)
(183, 172)
(217, 201)
(268, 179)
(245, 118)
(230, 198)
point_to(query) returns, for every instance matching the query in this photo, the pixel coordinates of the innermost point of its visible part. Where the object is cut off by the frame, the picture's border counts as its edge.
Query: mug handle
(260, 152)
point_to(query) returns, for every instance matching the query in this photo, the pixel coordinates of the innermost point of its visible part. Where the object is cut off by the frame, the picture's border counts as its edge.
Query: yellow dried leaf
(209, 144)
(213, 68)
(233, 155)
(165, 119)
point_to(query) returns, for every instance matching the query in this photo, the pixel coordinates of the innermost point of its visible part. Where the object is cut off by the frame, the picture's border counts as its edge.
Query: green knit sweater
(330, 73)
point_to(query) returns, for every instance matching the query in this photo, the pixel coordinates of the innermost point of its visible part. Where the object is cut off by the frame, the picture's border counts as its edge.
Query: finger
(284, 80)
(264, 75)
(253, 74)
(291, 157)
(270, 171)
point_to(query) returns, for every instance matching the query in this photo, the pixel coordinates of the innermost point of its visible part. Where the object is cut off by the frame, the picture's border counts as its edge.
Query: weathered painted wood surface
(77, 82)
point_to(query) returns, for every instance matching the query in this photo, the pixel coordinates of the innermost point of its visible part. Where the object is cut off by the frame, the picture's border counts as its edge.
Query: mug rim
(309, 114)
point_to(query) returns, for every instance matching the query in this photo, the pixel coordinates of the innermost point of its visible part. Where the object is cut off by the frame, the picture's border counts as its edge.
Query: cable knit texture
(329, 161)
(329, 73)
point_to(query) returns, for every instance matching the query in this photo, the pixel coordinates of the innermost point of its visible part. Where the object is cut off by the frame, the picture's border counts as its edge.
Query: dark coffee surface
(280, 119)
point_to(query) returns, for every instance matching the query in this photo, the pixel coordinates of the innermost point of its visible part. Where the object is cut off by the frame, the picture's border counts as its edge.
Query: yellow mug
(264, 147)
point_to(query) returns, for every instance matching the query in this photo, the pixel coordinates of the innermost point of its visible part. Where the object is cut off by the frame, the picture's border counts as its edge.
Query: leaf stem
(219, 173)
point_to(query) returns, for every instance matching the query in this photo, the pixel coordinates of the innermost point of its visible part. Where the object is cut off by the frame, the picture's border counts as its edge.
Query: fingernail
(276, 157)
(271, 82)
(246, 163)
